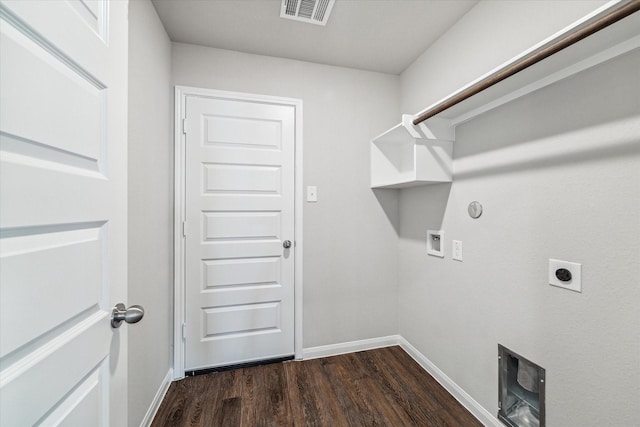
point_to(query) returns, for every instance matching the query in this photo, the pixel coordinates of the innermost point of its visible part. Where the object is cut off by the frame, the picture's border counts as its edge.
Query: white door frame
(181, 94)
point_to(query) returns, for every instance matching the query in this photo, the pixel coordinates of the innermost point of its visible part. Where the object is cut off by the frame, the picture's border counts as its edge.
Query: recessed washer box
(565, 274)
(435, 243)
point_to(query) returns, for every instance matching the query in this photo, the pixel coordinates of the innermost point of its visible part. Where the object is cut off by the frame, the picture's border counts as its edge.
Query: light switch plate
(456, 250)
(575, 284)
(312, 193)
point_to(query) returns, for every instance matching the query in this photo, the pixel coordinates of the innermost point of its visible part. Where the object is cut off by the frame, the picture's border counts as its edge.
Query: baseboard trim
(477, 410)
(157, 400)
(349, 347)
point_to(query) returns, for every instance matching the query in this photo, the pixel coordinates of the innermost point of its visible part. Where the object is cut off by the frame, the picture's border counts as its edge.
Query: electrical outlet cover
(575, 284)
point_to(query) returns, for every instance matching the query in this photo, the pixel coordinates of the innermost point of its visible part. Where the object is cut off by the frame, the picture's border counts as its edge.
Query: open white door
(63, 130)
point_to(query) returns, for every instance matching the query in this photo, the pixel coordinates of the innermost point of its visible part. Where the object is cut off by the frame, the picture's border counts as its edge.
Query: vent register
(310, 11)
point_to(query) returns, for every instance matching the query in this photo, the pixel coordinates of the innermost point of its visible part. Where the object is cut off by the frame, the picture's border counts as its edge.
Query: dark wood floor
(383, 387)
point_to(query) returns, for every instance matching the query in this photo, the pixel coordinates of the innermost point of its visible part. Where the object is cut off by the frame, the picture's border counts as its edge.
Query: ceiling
(376, 35)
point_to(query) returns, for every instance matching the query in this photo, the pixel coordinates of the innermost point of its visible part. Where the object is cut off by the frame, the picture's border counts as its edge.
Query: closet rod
(523, 63)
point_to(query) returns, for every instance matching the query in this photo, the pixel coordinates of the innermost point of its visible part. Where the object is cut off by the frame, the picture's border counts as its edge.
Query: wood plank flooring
(382, 387)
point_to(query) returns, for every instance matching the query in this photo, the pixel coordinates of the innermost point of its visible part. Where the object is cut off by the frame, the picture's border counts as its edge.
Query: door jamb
(181, 94)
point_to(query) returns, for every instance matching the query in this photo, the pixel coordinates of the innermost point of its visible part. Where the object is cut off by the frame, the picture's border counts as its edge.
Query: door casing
(181, 94)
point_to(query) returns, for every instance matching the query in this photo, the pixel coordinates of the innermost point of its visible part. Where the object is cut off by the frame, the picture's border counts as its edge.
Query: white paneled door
(239, 199)
(63, 130)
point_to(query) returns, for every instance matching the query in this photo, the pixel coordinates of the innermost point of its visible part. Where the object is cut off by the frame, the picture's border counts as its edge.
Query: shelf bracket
(433, 129)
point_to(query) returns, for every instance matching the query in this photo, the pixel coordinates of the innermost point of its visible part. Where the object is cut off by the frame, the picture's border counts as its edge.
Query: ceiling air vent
(311, 11)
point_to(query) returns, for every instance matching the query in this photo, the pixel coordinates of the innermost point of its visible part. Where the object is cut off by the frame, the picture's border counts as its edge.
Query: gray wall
(150, 205)
(350, 245)
(558, 174)
(487, 36)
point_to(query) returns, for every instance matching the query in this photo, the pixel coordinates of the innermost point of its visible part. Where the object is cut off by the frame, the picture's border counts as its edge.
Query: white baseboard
(157, 400)
(349, 347)
(478, 411)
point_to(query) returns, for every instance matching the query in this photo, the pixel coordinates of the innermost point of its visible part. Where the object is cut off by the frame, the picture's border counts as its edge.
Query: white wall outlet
(456, 250)
(435, 243)
(566, 275)
(312, 193)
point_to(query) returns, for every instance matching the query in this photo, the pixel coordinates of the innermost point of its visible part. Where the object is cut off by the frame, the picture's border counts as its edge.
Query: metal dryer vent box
(521, 390)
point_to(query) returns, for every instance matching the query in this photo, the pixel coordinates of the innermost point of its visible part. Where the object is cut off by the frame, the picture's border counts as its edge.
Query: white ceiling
(376, 35)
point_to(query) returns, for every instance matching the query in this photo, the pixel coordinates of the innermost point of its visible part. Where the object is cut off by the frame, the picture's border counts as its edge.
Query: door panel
(32, 390)
(242, 319)
(244, 132)
(62, 212)
(41, 90)
(242, 179)
(35, 269)
(241, 225)
(241, 272)
(239, 209)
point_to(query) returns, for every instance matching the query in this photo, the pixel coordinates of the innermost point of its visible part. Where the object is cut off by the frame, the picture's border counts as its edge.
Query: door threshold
(237, 366)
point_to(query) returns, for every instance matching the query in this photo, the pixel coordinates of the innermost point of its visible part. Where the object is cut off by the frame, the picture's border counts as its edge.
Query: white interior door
(63, 111)
(239, 196)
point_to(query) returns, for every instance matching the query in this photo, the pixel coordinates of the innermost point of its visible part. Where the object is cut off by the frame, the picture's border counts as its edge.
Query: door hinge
(185, 127)
(184, 228)
(184, 331)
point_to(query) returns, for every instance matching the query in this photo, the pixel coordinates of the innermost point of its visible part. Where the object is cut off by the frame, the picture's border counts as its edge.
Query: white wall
(350, 258)
(487, 36)
(150, 206)
(558, 173)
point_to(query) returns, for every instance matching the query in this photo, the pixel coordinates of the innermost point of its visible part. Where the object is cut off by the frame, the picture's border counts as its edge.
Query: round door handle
(120, 313)
(286, 244)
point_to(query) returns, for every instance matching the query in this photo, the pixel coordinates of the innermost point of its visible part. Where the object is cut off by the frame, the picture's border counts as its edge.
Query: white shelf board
(406, 184)
(615, 40)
